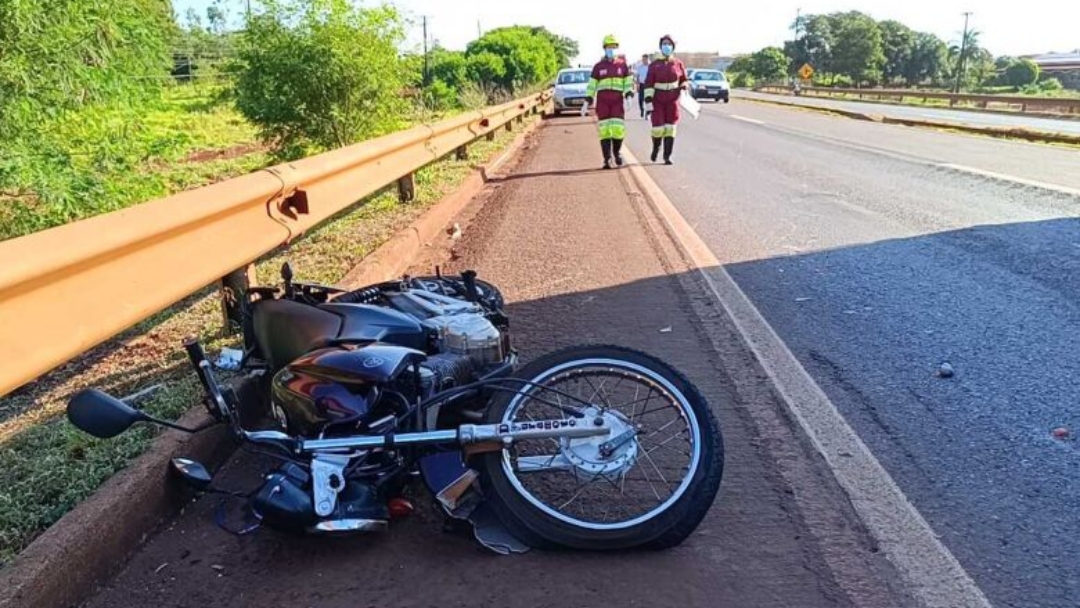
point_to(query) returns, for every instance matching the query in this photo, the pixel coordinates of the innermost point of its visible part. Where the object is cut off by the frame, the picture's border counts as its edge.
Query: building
(1063, 66)
(706, 61)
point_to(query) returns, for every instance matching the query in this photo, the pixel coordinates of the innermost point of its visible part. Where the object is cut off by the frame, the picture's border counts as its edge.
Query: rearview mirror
(101, 414)
(193, 473)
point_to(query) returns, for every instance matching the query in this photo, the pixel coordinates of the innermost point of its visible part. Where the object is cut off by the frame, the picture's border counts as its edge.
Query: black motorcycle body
(368, 388)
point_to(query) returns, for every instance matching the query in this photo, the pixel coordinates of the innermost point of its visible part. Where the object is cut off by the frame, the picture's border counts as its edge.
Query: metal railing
(70, 288)
(1015, 103)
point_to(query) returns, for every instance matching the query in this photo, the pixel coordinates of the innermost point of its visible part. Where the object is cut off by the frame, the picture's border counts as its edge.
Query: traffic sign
(806, 71)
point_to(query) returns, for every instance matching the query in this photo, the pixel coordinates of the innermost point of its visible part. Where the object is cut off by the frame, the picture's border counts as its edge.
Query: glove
(588, 101)
(648, 100)
(629, 94)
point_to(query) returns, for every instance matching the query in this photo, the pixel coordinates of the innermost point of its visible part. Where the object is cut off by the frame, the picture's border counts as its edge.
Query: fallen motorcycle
(590, 447)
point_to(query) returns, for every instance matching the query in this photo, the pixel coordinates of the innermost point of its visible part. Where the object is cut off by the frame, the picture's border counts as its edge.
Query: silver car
(709, 84)
(570, 89)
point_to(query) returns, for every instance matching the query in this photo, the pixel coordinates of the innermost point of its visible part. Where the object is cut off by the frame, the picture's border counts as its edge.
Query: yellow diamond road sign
(806, 71)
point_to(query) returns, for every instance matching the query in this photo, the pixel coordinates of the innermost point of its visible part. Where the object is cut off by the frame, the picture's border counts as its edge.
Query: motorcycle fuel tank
(333, 385)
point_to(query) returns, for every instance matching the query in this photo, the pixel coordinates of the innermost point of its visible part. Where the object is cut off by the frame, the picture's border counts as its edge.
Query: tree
(448, 67)
(527, 58)
(928, 61)
(769, 64)
(65, 54)
(857, 51)
(566, 49)
(959, 53)
(318, 74)
(486, 67)
(1022, 73)
(981, 68)
(815, 44)
(898, 42)
(215, 18)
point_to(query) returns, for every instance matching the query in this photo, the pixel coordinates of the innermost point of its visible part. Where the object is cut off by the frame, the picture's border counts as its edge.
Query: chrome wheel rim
(637, 463)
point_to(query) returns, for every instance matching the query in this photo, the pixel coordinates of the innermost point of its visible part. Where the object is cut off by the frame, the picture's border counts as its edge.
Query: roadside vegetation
(852, 50)
(164, 103)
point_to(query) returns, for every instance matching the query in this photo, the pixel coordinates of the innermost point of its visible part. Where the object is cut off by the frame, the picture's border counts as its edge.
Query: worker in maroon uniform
(609, 84)
(663, 84)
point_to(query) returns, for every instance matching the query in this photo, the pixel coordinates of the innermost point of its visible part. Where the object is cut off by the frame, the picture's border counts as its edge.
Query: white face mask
(667, 49)
(609, 53)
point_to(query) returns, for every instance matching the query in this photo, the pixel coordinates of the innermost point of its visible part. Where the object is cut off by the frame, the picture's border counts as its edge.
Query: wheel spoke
(570, 479)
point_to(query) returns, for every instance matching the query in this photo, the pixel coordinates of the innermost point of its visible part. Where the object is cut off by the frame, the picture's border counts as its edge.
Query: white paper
(690, 104)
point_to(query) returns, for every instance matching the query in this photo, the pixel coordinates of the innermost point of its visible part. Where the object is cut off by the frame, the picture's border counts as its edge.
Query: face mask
(609, 53)
(667, 49)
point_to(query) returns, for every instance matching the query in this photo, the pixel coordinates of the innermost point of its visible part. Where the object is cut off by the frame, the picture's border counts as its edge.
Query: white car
(709, 84)
(570, 89)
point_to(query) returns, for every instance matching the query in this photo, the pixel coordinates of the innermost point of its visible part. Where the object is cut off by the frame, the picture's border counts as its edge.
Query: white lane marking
(926, 162)
(931, 572)
(745, 119)
(1010, 178)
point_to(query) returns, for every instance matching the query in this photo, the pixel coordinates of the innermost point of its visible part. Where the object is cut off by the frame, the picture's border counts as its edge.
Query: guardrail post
(520, 118)
(406, 187)
(462, 153)
(509, 125)
(234, 293)
(490, 136)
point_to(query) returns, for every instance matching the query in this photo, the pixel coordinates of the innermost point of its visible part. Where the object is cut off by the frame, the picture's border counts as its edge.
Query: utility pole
(963, 55)
(425, 53)
(795, 40)
(479, 32)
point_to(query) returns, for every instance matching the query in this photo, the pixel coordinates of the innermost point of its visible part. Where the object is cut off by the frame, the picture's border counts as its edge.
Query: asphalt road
(979, 119)
(879, 252)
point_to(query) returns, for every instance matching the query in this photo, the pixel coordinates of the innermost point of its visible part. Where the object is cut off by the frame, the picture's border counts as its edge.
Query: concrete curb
(92, 541)
(1016, 132)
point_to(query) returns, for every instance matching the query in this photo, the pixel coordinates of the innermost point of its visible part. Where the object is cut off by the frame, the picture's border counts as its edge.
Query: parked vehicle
(590, 447)
(709, 84)
(570, 89)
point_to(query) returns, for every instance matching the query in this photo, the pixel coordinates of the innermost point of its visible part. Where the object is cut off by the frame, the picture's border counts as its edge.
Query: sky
(1008, 27)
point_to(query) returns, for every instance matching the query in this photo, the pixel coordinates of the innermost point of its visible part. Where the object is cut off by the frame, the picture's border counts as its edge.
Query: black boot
(669, 144)
(655, 148)
(617, 149)
(605, 147)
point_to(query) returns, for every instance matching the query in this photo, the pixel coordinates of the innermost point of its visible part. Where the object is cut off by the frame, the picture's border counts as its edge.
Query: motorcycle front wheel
(648, 483)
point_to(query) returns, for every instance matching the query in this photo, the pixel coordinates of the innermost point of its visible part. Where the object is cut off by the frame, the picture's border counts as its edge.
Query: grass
(47, 467)
(106, 158)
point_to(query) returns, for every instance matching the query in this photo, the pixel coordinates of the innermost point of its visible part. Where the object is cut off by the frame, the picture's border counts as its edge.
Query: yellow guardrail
(67, 289)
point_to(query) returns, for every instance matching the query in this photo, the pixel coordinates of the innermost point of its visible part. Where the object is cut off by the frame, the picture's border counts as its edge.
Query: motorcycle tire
(664, 528)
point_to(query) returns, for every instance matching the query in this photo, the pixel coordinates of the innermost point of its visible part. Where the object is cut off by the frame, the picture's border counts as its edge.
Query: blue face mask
(609, 53)
(667, 49)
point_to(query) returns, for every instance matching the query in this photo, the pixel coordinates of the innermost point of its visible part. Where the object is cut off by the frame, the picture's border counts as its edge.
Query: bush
(512, 58)
(1021, 73)
(320, 74)
(1050, 85)
(743, 81)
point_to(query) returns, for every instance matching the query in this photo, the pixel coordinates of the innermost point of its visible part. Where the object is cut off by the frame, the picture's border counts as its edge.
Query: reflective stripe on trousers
(612, 128)
(663, 131)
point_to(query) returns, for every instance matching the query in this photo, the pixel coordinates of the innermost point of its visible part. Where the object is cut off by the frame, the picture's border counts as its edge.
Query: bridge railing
(1015, 103)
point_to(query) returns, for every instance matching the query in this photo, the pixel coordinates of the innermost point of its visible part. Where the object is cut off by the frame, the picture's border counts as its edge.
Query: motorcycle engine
(470, 335)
